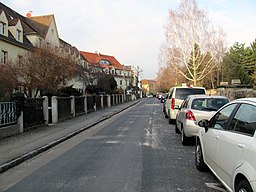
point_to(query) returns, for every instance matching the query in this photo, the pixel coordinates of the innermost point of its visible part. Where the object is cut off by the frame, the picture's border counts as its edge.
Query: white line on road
(216, 186)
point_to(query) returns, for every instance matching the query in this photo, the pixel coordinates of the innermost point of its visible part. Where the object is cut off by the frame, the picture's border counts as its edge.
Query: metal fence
(64, 107)
(112, 100)
(7, 113)
(128, 98)
(90, 103)
(79, 105)
(33, 113)
(98, 102)
(105, 101)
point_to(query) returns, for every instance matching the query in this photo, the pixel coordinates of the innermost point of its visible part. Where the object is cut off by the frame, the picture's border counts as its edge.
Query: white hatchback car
(193, 109)
(227, 145)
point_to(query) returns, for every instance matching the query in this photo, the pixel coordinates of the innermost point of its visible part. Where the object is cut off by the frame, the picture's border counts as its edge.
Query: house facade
(13, 42)
(148, 86)
(19, 35)
(107, 64)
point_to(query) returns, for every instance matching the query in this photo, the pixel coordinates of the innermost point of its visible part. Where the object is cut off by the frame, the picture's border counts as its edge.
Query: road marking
(216, 186)
(113, 142)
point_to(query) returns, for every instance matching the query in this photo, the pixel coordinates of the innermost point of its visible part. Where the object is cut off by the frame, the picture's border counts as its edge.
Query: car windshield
(208, 104)
(182, 93)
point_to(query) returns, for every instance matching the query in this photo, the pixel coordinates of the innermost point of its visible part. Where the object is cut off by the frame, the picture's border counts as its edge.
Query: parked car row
(224, 131)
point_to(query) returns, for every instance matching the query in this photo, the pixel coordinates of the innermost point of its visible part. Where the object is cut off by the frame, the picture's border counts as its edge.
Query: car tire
(184, 138)
(199, 159)
(176, 128)
(244, 186)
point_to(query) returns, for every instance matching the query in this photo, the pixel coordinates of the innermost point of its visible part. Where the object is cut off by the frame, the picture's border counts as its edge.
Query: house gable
(46, 30)
(52, 35)
(16, 30)
(4, 23)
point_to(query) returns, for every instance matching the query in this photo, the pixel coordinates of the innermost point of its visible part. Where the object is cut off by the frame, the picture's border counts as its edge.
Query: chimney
(28, 14)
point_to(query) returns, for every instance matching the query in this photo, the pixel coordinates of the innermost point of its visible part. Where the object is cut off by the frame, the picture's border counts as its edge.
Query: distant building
(100, 63)
(148, 86)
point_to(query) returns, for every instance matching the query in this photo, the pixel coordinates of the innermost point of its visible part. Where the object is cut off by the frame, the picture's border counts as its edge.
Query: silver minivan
(175, 98)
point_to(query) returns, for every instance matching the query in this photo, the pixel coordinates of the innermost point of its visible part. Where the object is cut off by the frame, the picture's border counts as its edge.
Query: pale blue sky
(132, 31)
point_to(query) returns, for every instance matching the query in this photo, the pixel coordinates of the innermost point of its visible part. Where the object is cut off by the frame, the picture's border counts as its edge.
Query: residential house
(148, 86)
(13, 40)
(19, 34)
(101, 63)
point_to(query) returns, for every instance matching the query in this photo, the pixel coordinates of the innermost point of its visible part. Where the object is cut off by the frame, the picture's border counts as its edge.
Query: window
(121, 82)
(4, 57)
(221, 118)
(18, 34)
(245, 120)
(20, 58)
(170, 96)
(184, 103)
(104, 62)
(208, 104)
(182, 93)
(2, 28)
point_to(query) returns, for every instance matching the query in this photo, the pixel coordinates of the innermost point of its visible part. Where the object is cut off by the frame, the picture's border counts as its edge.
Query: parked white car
(227, 145)
(175, 98)
(193, 109)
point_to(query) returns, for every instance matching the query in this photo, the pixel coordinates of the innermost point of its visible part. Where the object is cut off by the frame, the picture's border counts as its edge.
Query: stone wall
(233, 94)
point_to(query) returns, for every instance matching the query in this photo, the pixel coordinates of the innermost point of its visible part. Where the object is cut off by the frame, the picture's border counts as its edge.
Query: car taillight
(173, 104)
(190, 115)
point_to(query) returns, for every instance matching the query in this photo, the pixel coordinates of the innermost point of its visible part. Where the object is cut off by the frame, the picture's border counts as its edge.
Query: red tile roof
(94, 58)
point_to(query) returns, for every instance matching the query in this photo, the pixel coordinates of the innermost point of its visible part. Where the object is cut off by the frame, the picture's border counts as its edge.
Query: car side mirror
(204, 123)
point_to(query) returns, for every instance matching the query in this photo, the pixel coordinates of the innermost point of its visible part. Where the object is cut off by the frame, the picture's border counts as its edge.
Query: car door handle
(217, 138)
(241, 146)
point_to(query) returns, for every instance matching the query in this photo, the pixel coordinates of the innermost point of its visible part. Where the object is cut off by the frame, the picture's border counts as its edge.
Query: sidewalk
(16, 149)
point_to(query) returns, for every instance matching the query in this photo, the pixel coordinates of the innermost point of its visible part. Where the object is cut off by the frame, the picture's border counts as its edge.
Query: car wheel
(176, 128)
(170, 121)
(184, 138)
(200, 165)
(244, 186)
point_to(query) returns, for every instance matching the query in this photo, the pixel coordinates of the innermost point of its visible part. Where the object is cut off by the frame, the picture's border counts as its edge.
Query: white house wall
(52, 36)
(34, 39)
(13, 51)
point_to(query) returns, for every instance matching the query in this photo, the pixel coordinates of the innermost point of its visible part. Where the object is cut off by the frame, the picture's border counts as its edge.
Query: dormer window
(2, 28)
(18, 35)
(104, 62)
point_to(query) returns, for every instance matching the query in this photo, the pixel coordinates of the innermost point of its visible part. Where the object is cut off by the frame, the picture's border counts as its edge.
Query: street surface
(135, 151)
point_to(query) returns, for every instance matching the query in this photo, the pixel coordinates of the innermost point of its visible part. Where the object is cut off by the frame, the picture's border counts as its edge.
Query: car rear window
(208, 104)
(182, 93)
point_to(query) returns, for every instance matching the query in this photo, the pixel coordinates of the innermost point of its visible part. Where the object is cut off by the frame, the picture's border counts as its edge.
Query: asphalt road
(136, 150)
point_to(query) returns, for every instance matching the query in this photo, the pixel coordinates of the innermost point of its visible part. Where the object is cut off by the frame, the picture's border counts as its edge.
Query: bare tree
(45, 69)
(7, 82)
(191, 42)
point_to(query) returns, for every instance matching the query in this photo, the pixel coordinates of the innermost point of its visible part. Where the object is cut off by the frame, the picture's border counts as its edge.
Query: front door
(219, 124)
(233, 143)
